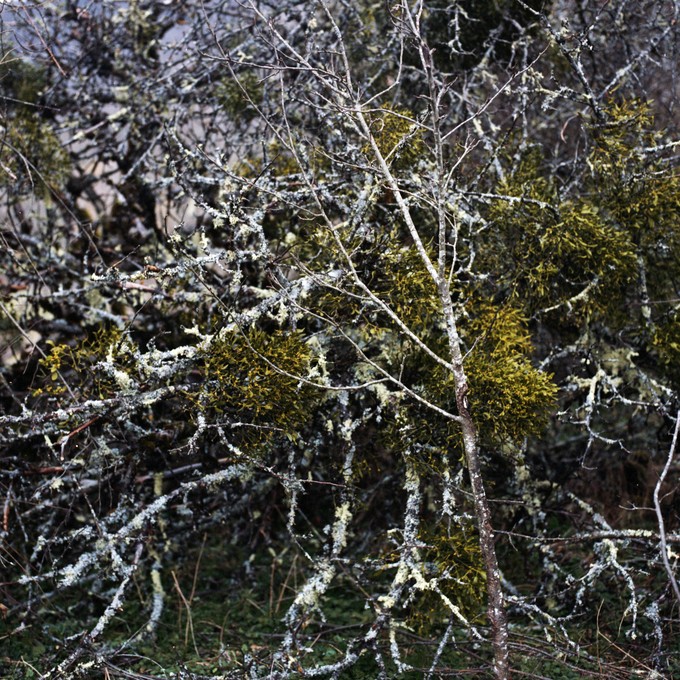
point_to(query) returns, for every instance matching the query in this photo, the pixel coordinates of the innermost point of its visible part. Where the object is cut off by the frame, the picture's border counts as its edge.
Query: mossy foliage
(398, 137)
(256, 377)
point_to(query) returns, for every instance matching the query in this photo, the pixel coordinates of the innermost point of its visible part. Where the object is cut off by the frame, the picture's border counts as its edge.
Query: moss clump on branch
(255, 377)
(31, 154)
(240, 95)
(80, 367)
(451, 556)
(666, 343)
(583, 255)
(638, 191)
(398, 137)
(562, 254)
(509, 398)
(401, 280)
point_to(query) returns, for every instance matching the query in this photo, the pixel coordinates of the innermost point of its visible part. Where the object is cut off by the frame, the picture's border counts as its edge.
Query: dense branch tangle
(339, 91)
(311, 321)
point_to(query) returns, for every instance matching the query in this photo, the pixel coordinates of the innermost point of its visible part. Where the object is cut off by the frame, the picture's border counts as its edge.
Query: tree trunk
(495, 600)
(494, 589)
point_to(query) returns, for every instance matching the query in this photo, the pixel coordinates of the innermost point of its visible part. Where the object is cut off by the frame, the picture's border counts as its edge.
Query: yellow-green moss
(250, 376)
(452, 555)
(239, 98)
(509, 398)
(557, 254)
(638, 191)
(666, 342)
(76, 364)
(401, 280)
(21, 79)
(398, 138)
(578, 251)
(32, 154)
(451, 568)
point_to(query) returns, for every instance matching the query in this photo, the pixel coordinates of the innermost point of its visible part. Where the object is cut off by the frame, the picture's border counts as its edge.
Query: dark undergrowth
(223, 617)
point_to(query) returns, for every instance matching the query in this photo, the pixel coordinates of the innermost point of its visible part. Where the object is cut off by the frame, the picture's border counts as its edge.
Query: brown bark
(494, 587)
(495, 599)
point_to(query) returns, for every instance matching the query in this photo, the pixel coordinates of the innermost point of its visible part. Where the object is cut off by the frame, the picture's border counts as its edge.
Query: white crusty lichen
(309, 597)
(343, 516)
(312, 591)
(123, 380)
(163, 364)
(394, 651)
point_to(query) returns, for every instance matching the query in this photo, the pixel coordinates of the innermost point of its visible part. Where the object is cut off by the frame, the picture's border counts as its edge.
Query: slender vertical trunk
(495, 600)
(494, 588)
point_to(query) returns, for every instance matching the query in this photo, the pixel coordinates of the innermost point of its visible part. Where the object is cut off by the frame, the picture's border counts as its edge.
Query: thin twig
(659, 515)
